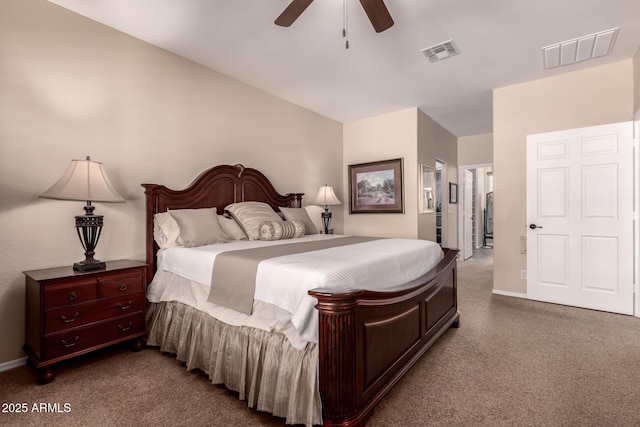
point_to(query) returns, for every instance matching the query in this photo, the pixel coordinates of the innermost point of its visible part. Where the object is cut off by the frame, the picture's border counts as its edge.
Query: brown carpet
(513, 362)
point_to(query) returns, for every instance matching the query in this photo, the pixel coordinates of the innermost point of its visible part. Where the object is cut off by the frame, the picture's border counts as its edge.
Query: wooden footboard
(368, 340)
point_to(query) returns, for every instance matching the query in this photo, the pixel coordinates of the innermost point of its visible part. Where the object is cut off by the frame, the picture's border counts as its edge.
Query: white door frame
(461, 170)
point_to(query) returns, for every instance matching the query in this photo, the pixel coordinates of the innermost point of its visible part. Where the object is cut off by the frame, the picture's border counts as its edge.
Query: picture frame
(453, 193)
(376, 187)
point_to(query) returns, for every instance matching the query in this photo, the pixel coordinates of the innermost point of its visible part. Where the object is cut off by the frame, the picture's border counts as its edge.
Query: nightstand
(70, 313)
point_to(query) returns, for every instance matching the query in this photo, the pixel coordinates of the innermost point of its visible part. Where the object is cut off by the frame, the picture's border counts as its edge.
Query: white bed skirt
(264, 368)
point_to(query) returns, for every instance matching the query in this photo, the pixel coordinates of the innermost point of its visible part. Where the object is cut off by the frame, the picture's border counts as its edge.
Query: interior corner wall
(72, 87)
(588, 97)
(437, 143)
(384, 137)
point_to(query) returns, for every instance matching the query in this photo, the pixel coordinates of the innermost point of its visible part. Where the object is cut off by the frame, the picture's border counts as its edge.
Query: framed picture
(376, 187)
(453, 193)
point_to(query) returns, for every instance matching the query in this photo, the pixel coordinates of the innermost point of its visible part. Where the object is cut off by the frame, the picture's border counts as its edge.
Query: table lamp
(86, 180)
(326, 197)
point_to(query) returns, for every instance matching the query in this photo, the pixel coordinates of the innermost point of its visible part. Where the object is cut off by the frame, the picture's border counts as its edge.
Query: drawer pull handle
(65, 320)
(125, 307)
(125, 329)
(72, 296)
(123, 287)
(71, 344)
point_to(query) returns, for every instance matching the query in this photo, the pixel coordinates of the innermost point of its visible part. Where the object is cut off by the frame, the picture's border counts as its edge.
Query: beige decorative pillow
(231, 228)
(300, 214)
(277, 230)
(250, 215)
(198, 227)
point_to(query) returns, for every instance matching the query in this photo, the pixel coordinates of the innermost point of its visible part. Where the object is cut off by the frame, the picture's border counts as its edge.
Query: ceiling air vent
(441, 51)
(580, 49)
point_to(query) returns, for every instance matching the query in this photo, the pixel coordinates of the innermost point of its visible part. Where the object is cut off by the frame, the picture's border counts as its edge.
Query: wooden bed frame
(367, 340)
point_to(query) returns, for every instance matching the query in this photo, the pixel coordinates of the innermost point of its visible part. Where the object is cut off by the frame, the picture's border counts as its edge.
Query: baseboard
(13, 364)
(509, 294)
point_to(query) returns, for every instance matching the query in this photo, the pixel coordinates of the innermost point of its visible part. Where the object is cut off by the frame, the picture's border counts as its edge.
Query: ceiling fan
(375, 9)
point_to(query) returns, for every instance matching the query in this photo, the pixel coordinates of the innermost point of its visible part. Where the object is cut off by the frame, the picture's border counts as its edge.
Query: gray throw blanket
(233, 281)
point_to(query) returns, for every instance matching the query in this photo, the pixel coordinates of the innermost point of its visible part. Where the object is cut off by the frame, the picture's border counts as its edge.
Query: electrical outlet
(523, 274)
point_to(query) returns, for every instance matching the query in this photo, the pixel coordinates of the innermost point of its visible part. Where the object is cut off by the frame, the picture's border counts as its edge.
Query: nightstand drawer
(73, 341)
(69, 295)
(83, 314)
(120, 285)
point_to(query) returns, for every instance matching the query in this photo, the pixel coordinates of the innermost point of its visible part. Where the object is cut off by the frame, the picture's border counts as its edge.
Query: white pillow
(250, 215)
(231, 228)
(165, 230)
(198, 227)
(315, 213)
(300, 214)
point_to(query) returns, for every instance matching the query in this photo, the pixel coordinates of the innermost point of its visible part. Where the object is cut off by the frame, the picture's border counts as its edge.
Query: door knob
(533, 226)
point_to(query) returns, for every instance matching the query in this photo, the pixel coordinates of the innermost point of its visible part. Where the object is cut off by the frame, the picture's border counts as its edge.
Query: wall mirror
(427, 189)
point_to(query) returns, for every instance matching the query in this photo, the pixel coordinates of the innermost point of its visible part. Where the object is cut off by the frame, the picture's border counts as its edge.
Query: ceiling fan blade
(292, 12)
(378, 14)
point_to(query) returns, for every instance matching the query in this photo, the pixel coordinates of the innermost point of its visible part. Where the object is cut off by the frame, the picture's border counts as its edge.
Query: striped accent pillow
(277, 230)
(249, 215)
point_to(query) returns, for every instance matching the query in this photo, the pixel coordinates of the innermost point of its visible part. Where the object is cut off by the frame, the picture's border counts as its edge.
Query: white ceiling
(500, 43)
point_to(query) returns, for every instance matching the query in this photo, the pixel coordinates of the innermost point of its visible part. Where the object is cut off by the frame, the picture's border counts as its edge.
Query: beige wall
(589, 97)
(475, 149)
(388, 136)
(71, 87)
(435, 142)
(417, 138)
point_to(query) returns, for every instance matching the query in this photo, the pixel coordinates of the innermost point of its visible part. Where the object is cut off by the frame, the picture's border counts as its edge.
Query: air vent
(441, 51)
(579, 49)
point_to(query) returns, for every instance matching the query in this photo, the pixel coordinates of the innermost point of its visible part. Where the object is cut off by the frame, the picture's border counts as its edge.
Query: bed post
(296, 200)
(338, 357)
(150, 244)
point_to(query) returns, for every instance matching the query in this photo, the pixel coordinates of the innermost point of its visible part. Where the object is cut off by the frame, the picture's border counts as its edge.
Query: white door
(580, 217)
(468, 215)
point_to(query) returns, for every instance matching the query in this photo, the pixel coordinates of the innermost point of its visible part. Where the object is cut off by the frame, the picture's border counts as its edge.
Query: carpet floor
(512, 362)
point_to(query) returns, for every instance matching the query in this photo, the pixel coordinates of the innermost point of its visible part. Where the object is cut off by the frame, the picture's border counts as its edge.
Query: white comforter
(284, 281)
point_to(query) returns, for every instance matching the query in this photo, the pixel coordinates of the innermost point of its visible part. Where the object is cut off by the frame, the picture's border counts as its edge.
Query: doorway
(476, 215)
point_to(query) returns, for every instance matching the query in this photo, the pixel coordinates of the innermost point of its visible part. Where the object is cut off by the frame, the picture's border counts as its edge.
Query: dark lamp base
(89, 266)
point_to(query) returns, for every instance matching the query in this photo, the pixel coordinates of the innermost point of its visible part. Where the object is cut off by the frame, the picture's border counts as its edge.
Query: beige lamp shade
(326, 197)
(84, 180)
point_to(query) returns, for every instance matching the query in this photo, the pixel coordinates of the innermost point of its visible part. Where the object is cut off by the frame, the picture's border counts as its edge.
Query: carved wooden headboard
(215, 187)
